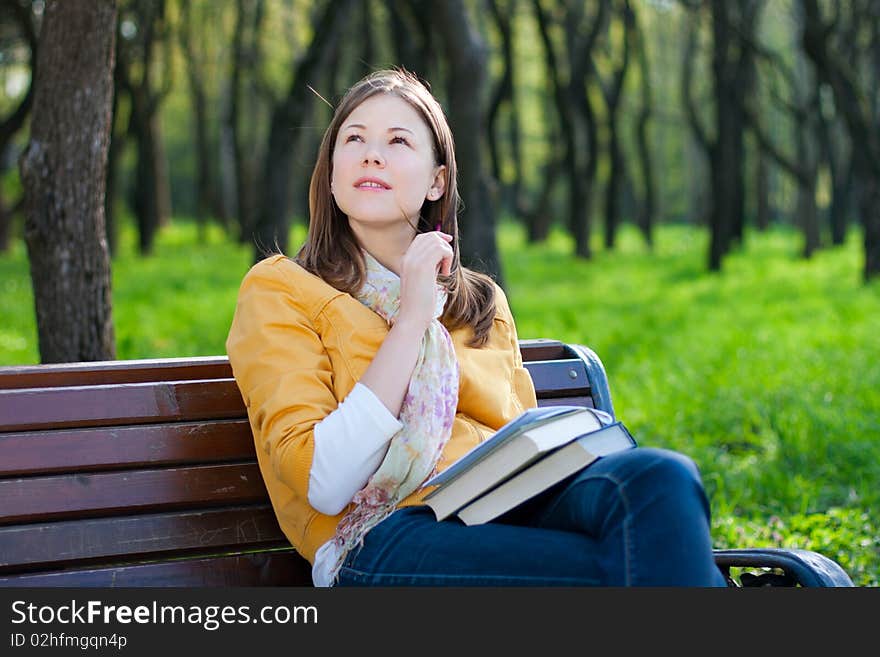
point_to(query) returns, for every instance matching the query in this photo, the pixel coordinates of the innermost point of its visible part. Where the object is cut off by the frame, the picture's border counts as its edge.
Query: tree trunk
(586, 156)
(151, 202)
(63, 173)
(840, 169)
(648, 206)
(726, 151)
(540, 219)
(503, 96)
(566, 132)
(403, 28)
(114, 149)
(467, 85)
(5, 222)
(204, 195)
(244, 61)
(12, 123)
(617, 172)
(271, 230)
(762, 191)
(864, 129)
(146, 186)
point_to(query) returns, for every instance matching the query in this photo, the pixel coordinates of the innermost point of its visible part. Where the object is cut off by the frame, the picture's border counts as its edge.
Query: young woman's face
(383, 163)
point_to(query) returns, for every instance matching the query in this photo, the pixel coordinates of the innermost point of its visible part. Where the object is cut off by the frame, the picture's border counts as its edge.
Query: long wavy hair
(331, 250)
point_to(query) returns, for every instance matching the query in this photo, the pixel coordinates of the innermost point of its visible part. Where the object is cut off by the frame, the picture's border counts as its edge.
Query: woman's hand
(389, 373)
(428, 255)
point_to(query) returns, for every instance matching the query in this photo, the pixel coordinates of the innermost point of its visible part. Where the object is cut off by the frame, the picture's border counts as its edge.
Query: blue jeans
(634, 518)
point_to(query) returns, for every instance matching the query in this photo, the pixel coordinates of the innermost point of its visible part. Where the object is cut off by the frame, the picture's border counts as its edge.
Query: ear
(437, 188)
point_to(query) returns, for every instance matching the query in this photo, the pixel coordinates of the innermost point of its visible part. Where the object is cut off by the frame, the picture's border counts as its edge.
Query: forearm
(350, 444)
(389, 373)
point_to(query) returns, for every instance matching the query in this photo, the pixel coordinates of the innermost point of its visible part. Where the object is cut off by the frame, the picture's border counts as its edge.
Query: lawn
(767, 374)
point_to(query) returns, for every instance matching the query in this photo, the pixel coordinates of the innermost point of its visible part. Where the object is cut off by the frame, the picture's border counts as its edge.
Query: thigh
(623, 484)
(410, 548)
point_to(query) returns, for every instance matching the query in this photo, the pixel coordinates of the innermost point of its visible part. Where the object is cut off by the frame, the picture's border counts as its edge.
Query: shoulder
(502, 306)
(281, 275)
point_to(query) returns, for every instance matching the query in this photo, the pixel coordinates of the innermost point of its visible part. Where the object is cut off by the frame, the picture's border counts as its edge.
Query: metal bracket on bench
(804, 567)
(598, 380)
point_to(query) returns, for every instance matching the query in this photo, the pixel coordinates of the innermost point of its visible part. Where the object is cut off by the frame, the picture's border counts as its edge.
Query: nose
(372, 155)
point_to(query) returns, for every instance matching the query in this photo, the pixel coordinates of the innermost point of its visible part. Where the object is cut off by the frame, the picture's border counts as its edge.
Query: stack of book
(522, 459)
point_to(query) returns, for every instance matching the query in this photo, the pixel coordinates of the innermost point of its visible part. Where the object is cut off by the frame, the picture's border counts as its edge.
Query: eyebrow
(363, 127)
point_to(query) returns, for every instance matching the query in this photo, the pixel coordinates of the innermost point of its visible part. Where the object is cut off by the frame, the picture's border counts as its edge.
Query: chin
(377, 219)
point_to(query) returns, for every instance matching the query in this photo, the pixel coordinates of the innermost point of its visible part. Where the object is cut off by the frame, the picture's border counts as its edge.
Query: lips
(371, 183)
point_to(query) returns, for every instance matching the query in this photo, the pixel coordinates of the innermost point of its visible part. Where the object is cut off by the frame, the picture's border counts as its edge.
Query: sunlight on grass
(765, 374)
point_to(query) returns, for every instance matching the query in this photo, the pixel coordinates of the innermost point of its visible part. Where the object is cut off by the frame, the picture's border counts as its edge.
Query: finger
(446, 262)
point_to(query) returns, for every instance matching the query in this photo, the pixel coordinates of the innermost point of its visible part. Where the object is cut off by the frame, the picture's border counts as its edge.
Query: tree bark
(565, 163)
(63, 172)
(762, 191)
(586, 161)
(15, 120)
(151, 194)
(617, 172)
(204, 195)
(648, 206)
(864, 129)
(467, 85)
(504, 96)
(271, 230)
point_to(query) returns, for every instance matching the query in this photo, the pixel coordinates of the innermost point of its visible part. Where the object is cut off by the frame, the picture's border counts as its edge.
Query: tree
(63, 172)
(859, 112)
(612, 92)
(22, 23)
(272, 220)
(648, 205)
(467, 86)
(732, 65)
(504, 95)
(145, 23)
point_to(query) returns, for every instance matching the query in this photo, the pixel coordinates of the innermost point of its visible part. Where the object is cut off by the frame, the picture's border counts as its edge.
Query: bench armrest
(599, 389)
(800, 567)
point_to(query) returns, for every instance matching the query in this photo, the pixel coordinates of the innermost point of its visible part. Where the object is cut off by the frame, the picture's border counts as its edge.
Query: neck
(387, 243)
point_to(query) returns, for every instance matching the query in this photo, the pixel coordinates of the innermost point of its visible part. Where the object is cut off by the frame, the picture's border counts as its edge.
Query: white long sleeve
(350, 444)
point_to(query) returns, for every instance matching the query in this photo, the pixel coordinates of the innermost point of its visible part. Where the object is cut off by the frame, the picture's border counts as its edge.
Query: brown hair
(331, 250)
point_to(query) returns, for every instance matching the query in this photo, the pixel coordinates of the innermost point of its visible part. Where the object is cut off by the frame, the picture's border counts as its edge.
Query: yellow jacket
(297, 347)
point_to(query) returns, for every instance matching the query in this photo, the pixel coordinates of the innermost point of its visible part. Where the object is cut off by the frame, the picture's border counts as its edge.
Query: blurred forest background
(690, 187)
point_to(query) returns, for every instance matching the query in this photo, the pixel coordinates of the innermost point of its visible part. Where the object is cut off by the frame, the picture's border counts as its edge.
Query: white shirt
(350, 444)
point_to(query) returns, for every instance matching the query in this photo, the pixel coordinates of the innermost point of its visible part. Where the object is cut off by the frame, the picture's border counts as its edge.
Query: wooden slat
(128, 539)
(567, 401)
(557, 378)
(106, 405)
(114, 371)
(543, 349)
(85, 450)
(36, 499)
(178, 369)
(279, 568)
(136, 403)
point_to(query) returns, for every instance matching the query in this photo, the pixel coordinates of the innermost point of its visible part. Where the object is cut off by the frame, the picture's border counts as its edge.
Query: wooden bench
(143, 473)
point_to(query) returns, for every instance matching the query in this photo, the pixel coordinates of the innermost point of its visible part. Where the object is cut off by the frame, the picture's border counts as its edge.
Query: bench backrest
(143, 473)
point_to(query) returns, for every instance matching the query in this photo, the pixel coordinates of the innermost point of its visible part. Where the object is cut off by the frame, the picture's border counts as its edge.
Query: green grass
(767, 375)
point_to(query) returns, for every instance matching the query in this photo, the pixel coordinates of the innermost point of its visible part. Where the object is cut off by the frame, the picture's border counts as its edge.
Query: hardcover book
(524, 440)
(552, 468)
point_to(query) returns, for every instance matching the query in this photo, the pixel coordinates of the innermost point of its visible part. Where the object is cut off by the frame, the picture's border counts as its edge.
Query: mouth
(371, 184)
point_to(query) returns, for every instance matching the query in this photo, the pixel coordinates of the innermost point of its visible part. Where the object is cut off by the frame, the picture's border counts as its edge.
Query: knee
(667, 469)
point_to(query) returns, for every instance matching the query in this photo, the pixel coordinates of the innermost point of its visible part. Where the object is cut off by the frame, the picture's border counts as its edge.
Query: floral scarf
(427, 413)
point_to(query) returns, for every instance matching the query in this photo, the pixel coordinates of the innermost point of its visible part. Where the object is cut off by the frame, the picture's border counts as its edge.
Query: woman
(374, 359)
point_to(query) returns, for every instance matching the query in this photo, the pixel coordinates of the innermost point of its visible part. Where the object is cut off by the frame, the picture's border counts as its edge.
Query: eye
(399, 140)
(352, 138)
